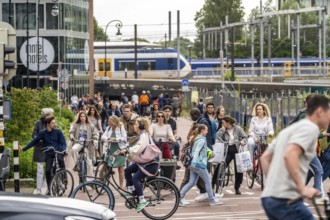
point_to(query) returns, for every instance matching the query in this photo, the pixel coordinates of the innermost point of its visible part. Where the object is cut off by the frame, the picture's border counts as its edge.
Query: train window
(170, 60)
(128, 65)
(107, 66)
(101, 68)
(147, 65)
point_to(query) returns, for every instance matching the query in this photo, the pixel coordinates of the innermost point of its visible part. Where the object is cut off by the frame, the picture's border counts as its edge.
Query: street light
(55, 9)
(118, 26)
(38, 50)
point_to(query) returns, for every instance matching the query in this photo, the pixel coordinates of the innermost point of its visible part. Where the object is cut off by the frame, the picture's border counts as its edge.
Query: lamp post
(118, 26)
(38, 48)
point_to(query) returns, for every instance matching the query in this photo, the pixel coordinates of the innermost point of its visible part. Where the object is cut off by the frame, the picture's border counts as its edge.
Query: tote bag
(243, 161)
(147, 154)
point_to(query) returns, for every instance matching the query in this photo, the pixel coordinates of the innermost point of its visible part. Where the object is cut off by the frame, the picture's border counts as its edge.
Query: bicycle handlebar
(48, 148)
(87, 140)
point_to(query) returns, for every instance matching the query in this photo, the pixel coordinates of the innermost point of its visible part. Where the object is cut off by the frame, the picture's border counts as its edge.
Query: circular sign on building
(29, 52)
(185, 82)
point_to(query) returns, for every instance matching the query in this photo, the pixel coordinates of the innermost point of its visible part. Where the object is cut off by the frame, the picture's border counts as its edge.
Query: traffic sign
(185, 82)
(185, 89)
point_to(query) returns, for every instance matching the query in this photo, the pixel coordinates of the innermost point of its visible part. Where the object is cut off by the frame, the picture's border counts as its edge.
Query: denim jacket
(199, 152)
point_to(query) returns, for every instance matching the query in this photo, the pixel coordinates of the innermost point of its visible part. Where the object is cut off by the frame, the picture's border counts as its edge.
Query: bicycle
(81, 162)
(221, 170)
(161, 193)
(62, 180)
(257, 173)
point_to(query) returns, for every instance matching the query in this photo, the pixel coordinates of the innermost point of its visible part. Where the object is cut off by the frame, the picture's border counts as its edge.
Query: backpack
(200, 106)
(187, 157)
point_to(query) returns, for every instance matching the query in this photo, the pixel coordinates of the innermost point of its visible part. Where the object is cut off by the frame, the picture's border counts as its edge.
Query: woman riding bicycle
(82, 130)
(116, 138)
(141, 127)
(162, 133)
(261, 124)
(235, 136)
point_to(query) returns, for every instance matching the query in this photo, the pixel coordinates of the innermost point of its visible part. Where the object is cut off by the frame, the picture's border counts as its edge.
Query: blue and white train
(152, 61)
(152, 64)
(284, 65)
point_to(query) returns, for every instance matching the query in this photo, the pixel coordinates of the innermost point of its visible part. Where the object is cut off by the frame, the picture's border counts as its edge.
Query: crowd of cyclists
(129, 123)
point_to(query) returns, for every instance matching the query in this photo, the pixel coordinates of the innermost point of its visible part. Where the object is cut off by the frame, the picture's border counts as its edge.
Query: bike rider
(82, 130)
(141, 127)
(54, 137)
(38, 154)
(261, 124)
(169, 120)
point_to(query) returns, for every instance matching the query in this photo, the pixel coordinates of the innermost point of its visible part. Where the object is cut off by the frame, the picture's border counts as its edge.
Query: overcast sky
(151, 16)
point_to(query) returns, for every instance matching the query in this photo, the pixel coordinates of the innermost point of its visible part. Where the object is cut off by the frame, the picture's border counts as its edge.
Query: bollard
(16, 167)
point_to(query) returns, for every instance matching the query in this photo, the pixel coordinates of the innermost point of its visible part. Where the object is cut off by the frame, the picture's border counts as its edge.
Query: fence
(282, 105)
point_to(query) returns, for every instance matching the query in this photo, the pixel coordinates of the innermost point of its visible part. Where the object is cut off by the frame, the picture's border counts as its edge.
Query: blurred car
(35, 207)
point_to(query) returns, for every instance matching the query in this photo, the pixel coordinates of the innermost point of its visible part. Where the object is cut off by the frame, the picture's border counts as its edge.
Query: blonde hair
(143, 124)
(115, 120)
(264, 107)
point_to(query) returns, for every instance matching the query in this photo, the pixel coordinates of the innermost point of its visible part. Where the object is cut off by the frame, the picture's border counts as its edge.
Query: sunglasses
(160, 116)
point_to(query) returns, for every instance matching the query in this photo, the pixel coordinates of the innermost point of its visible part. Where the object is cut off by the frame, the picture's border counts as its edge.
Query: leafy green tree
(99, 34)
(211, 14)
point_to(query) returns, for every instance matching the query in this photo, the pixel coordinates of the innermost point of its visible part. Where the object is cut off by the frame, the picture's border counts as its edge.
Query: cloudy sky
(151, 16)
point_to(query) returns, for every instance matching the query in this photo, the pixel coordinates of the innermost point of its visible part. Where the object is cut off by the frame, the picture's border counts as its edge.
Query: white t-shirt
(278, 183)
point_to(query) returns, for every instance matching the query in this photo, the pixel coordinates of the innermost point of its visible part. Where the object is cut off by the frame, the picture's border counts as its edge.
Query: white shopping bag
(219, 151)
(243, 161)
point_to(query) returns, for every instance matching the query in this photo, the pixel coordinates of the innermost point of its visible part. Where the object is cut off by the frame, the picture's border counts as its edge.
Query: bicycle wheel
(227, 176)
(220, 180)
(250, 175)
(102, 173)
(83, 172)
(87, 191)
(261, 177)
(163, 197)
(62, 184)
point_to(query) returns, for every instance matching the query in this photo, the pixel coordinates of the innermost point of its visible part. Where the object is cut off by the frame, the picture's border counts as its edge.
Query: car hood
(46, 204)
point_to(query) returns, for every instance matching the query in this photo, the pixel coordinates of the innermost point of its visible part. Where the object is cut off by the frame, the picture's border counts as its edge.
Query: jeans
(176, 148)
(279, 209)
(49, 165)
(316, 166)
(185, 180)
(194, 175)
(138, 175)
(252, 146)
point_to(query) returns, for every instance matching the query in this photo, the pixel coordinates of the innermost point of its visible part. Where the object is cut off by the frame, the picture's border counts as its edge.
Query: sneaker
(218, 195)
(183, 202)
(178, 167)
(75, 168)
(306, 204)
(37, 192)
(216, 202)
(202, 197)
(141, 206)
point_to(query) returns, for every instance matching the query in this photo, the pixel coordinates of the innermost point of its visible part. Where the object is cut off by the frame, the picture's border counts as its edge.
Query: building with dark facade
(62, 27)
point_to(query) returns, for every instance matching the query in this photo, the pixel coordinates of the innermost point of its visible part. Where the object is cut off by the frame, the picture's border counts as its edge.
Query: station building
(63, 29)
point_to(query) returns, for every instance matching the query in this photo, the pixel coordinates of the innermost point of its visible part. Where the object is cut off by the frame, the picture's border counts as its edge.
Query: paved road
(245, 206)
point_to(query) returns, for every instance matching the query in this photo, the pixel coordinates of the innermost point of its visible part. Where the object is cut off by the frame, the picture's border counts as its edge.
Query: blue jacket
(55, 138)
(199, 152)
(204, 119)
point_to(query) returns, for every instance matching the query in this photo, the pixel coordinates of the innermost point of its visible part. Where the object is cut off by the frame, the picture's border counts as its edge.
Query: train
(153, 62)
(284, 66)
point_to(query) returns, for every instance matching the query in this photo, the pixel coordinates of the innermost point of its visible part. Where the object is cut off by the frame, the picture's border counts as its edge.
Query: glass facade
(62, 37)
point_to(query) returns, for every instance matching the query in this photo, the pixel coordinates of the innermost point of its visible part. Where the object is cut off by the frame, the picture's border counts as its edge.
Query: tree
(99, 34)
(211, 14)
